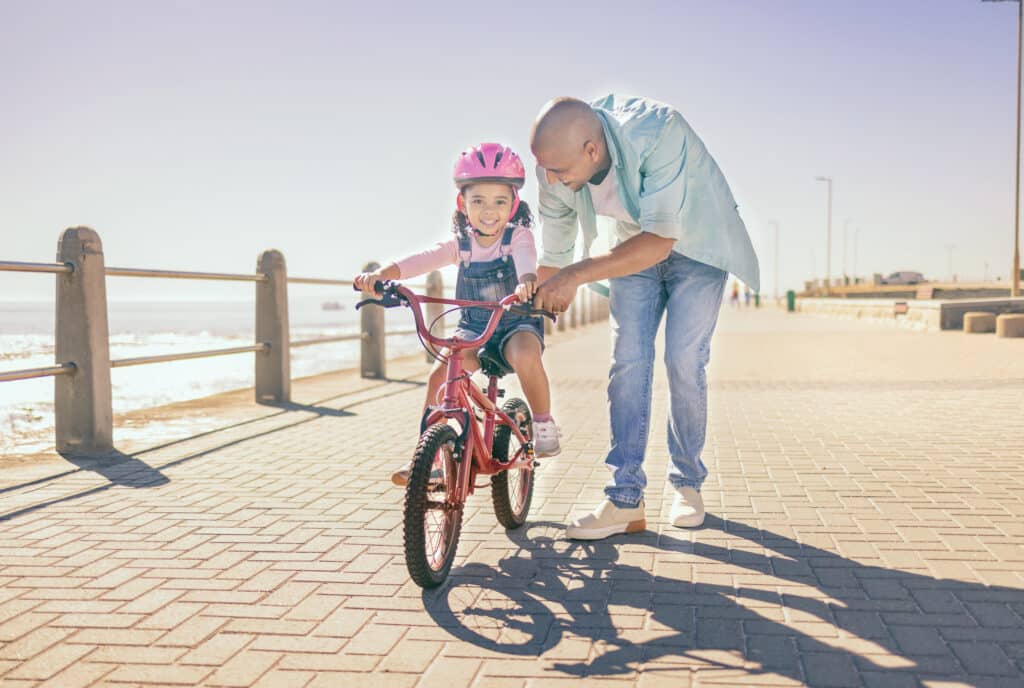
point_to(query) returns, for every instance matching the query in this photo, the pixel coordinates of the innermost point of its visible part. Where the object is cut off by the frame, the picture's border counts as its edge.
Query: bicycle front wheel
(433, 514)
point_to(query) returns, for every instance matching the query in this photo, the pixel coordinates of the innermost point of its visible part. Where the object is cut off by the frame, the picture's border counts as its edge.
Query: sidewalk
(866, 528)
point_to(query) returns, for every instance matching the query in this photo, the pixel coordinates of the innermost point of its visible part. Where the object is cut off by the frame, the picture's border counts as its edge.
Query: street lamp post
(828, 241)
(846, 230)
(776, 280)
(856, 237)
(1015, 276)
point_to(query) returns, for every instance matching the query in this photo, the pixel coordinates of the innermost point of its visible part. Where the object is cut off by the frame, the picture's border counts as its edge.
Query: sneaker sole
(549, 454)
(684, 523)
(608, 531)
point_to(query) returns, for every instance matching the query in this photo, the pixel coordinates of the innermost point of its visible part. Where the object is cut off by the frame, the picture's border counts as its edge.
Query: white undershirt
(606, 200)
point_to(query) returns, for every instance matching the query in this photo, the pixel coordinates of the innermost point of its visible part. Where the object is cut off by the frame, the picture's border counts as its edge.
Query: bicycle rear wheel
(512, 490)
(432, 518)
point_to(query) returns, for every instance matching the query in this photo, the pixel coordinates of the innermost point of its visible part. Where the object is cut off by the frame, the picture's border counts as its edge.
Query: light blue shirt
(666, 180)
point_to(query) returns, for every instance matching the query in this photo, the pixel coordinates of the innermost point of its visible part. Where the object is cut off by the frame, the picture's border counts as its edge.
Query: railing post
(83, 411)
(372, 355)
(435, 288)
(273, 368)
(574, 313)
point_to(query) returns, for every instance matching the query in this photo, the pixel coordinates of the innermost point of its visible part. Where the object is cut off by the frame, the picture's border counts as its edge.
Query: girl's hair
(523, 218)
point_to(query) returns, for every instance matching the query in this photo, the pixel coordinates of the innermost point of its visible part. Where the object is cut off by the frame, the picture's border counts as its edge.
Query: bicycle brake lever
(525, 309)
(386, 301)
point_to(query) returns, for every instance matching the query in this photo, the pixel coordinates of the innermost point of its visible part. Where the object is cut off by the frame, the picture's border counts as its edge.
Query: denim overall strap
(506, 243)
(465, 249)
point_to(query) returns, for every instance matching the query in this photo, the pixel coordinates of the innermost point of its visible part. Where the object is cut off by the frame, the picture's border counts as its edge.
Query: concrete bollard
(273, 368)
(976, 321)
(435, 288)
(84, 417)
(372, 359)
(1010, 325)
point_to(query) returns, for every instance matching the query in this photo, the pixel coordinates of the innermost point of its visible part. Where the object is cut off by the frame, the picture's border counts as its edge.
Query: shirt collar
(610, 142)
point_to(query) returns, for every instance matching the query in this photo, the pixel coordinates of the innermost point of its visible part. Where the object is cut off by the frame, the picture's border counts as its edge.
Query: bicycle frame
(463, 399)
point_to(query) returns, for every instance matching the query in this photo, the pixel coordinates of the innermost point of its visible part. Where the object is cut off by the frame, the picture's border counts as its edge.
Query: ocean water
(151, 328)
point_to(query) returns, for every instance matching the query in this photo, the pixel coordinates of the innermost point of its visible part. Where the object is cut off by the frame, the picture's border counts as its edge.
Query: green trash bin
(790, 301)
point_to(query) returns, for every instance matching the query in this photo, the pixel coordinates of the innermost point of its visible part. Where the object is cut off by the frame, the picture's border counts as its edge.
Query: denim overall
(491, 280)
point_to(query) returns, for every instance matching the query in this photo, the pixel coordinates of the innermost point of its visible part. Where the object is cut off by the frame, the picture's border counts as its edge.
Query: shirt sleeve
(443, 254)
(663, 183)
(558, 223)
(524, 252)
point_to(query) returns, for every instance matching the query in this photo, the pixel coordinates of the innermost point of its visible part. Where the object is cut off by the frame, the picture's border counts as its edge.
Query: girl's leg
(523, 352)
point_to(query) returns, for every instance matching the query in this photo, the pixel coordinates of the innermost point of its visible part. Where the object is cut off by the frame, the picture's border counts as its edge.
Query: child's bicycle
(448, 458)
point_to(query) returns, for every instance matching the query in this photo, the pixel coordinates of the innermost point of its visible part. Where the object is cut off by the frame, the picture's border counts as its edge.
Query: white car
(904, 277)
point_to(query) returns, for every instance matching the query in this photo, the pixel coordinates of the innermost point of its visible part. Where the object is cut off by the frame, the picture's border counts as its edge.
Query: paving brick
(244, 669)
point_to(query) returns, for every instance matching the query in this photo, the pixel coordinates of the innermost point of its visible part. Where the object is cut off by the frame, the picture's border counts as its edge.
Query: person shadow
(783, 609)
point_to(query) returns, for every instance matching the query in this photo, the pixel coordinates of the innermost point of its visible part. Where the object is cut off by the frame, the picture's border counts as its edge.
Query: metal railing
(82, 387)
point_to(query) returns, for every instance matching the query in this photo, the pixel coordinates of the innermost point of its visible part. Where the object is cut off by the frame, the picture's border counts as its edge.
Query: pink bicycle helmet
(490, 162)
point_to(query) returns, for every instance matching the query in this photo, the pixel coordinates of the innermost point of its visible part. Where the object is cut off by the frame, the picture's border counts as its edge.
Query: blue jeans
(691, 293)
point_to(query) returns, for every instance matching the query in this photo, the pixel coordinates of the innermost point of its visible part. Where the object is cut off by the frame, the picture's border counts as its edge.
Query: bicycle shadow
(823, 619)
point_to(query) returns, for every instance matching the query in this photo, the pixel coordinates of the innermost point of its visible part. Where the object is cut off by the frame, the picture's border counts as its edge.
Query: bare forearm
(545, 272)
(633, 255)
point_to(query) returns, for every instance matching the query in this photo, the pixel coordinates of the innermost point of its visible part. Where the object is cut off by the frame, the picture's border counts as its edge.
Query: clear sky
(192, 135)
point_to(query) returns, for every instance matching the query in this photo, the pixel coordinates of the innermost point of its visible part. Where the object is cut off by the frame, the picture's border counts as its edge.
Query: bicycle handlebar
(395, 294)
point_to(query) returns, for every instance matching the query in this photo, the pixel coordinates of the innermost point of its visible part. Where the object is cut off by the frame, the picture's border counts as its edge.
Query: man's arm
(558, 287)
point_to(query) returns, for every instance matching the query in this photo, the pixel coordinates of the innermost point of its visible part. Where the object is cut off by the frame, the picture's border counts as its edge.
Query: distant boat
(332, 306)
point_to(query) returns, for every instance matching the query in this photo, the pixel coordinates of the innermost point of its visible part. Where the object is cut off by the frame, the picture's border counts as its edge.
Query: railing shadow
(119, 470)
(866, 620)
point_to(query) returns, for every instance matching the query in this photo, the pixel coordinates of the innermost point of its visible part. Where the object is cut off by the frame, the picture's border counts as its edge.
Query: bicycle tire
(512, 494)
(438, 444)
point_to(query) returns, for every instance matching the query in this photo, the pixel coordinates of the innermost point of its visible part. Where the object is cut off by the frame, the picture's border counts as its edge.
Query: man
(678, 235)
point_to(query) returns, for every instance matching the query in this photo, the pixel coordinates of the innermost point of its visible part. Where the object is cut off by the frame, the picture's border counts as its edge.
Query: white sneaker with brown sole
(607, 519)
(401, 476)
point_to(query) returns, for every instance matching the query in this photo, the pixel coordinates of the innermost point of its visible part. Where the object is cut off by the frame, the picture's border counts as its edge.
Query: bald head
(568, 141)
(564, 125)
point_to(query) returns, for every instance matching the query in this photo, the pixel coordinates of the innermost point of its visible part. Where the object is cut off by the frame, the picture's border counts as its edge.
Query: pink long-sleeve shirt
(522, 248)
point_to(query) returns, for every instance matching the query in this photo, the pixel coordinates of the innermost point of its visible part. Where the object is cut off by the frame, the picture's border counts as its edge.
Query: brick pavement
(865, 529)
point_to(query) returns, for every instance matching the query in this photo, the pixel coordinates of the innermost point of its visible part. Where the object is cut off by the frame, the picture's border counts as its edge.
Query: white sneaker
(546, 438)
(401, 476)
(607, 519)
(687, 508)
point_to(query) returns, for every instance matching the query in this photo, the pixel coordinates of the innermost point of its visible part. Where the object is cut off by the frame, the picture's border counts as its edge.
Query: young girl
(496, 254)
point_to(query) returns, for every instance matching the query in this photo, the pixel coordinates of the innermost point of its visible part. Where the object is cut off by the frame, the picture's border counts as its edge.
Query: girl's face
(488, 205)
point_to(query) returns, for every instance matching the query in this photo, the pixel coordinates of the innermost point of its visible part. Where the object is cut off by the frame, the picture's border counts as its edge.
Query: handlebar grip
(378, 287)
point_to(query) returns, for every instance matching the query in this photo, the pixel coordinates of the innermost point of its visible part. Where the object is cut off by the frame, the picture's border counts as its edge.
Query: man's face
(571, 168)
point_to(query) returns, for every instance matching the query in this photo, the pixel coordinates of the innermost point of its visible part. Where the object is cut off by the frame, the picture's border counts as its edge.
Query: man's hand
(527, 288)
(557, 292)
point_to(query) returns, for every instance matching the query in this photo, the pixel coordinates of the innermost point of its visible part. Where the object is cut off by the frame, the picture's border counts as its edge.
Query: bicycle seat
(492, 364)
